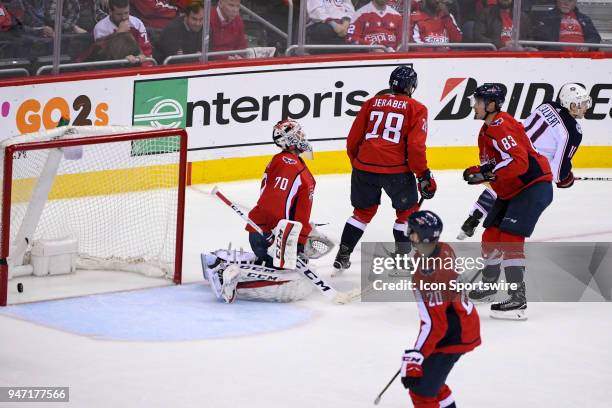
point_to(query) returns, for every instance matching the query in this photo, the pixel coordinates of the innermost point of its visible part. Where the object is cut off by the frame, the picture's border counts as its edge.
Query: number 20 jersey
(388, 136)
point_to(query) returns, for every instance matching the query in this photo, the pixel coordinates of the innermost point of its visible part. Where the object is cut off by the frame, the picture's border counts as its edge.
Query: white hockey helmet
(288, 134)
(576, 94)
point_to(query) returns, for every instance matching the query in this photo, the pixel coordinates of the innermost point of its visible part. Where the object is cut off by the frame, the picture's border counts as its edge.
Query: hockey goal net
(97, 198)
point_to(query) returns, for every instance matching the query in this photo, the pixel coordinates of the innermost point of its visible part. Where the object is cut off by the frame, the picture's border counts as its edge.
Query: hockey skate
(482, 295)
(407, 266)
(513, 308)
(469, 226)
(342, 261)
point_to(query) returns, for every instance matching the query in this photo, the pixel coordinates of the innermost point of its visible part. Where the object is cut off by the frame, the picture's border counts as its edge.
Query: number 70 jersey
(388, 136)
(287, 190)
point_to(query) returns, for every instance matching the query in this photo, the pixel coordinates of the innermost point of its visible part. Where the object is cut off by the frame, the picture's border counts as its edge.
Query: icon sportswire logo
(160, 103)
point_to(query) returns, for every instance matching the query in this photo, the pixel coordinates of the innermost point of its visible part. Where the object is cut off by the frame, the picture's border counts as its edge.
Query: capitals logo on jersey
(289, 160)
(497, 122)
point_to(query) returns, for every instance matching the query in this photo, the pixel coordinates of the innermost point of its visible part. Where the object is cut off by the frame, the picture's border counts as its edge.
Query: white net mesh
(118, 199)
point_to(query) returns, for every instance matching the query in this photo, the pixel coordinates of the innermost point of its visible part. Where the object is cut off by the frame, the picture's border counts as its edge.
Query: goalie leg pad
(284, 249)
(213, 267)
(268, 284)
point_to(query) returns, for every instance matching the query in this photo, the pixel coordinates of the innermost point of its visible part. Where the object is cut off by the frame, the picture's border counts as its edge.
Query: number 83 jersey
(517, 164)
(388, 136)
(287, 190)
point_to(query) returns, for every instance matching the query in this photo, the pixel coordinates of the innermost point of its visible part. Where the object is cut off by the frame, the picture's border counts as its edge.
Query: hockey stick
(317, 241)
(327, 290)
(593, 178)
(377, 400)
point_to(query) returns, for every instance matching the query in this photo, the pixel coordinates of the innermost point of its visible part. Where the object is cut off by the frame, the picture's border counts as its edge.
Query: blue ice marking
(172, 313)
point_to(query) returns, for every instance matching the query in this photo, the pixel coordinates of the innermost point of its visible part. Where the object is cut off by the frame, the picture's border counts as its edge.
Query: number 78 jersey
(388, 136)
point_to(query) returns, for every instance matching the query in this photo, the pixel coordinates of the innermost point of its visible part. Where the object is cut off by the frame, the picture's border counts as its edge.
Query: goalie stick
(327, 290)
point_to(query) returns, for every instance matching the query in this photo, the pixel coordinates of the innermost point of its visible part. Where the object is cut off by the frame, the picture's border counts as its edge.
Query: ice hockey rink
(176, 346)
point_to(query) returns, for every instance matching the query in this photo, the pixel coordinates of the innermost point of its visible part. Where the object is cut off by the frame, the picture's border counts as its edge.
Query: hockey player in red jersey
(521, 178)
(376, 23)
(554, 131)
(287, 189)
(386, 147)
(450, 326)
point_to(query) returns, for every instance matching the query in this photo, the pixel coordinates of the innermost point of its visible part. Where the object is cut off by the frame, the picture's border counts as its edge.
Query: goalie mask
(288, 134)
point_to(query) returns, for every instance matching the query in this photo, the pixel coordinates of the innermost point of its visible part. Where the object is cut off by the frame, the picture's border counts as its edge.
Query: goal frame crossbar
(5, 216)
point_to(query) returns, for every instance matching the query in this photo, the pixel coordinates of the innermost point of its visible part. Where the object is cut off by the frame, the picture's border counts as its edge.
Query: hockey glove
(427, 185)
(412, 369)
(566, 182)
(479, 174)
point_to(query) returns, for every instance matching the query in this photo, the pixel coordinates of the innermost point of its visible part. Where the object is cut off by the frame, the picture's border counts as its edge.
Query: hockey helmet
(426, 224)
(576, 94)
(288, 134)
(403, 79)
(491, 92)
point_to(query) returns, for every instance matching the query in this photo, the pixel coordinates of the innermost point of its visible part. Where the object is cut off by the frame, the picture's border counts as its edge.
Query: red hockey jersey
(373, 26)
(434, 29)
(388, 135)
(518, 165)
(287, 191)
(449, 321)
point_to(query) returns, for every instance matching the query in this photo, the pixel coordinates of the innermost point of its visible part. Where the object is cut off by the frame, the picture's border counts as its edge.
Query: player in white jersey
(556, 134)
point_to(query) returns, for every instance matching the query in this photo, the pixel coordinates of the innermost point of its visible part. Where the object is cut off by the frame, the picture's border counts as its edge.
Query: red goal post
(119, 192)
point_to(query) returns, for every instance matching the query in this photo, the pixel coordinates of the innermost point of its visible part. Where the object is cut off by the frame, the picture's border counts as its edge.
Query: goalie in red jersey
(286, 196)
(386, 147)
(287, 190)
(450, 326)
(522, 179)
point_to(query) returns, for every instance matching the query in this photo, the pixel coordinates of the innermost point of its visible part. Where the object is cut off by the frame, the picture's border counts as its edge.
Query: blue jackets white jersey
(556, 135)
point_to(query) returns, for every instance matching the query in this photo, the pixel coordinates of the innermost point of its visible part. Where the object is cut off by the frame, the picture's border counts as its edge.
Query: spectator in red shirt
(434, 24)
(376, 23)
(566, 23)
(495, 25)
(227, 28)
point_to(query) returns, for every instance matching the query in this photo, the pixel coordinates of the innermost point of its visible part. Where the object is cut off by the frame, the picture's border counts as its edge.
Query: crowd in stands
(139, 30)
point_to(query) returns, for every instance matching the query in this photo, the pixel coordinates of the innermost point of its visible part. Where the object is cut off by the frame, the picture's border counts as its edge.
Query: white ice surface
(560, 357)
